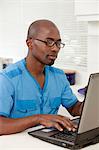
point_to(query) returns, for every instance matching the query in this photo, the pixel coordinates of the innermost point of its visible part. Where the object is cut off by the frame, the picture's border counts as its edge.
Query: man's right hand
(57, 121)
(11, 125)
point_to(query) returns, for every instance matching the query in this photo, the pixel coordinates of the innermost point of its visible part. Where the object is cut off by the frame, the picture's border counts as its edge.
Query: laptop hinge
(87, 136)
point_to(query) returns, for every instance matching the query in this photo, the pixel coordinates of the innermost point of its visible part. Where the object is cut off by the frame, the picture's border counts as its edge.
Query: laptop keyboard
(65, 135)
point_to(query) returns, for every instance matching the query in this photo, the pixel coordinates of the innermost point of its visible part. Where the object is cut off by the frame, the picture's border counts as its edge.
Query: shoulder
(13, 70)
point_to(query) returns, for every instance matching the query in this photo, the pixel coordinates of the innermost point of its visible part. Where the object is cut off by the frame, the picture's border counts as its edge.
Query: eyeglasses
(51, 42)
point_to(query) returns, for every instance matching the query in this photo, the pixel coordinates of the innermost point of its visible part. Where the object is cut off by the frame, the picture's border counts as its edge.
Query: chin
(51, 63)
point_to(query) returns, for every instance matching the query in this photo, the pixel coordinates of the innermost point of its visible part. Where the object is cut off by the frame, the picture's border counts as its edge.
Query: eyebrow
(53, 39)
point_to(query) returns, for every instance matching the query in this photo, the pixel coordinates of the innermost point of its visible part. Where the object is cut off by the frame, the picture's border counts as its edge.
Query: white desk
(23, 141)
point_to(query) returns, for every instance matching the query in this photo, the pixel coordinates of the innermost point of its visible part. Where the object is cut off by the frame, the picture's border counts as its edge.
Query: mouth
(52, 57)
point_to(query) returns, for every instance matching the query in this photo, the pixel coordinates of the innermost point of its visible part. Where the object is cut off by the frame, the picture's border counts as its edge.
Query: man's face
(41, 48)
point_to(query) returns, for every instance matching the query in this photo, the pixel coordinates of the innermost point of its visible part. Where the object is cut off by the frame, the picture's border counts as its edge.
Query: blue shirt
(21, 95)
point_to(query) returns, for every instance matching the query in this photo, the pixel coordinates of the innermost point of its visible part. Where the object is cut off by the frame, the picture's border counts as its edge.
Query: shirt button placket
(42, 101)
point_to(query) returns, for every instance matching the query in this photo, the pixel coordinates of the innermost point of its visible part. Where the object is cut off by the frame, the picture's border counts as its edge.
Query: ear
(29, 43)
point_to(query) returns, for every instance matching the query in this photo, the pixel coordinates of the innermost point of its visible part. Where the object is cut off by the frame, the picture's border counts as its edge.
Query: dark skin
(39, 55)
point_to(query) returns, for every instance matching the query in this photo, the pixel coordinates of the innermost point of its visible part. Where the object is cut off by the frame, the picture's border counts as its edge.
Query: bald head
(36, 27)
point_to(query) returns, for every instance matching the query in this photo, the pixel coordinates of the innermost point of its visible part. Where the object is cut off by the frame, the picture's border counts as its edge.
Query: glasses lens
(62, 45)
(50, 42)
(58, 43)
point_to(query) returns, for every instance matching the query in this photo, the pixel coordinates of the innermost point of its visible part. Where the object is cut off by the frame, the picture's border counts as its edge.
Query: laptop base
(82, 141)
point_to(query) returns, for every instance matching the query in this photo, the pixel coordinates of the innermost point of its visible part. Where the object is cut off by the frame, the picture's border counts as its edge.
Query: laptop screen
(90, 113)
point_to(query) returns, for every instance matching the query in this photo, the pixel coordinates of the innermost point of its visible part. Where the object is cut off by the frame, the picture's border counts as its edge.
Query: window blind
(74, 35)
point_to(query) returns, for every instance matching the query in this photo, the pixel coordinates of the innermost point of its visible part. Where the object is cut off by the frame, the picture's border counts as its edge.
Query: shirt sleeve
(6, 95)
(68, 97)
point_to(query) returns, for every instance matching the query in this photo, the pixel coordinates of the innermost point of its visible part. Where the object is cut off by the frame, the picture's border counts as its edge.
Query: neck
(34, 67)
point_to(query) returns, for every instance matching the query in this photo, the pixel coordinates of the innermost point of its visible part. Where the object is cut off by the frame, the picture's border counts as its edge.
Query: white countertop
(23, 141)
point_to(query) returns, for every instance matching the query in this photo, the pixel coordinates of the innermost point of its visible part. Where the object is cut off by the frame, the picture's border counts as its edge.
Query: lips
(52, 56)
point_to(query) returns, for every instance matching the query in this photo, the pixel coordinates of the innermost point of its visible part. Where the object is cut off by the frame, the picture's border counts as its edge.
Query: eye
(50, 42)
(58, 42)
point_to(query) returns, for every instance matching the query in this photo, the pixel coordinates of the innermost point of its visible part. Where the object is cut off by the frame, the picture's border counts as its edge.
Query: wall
(88, 11)
(16, 16)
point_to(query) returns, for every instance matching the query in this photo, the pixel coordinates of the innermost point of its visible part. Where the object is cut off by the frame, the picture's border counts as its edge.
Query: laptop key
(65, 135)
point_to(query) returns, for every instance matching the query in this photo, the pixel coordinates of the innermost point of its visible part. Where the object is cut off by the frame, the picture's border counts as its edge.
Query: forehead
(48, 32)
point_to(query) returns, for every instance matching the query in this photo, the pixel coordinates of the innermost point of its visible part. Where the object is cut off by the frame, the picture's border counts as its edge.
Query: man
(31, 91)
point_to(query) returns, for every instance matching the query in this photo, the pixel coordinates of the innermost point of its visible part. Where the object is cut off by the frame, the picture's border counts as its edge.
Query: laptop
(88, 123)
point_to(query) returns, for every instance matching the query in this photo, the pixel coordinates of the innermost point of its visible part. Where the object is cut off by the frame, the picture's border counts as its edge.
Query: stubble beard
(51, 63)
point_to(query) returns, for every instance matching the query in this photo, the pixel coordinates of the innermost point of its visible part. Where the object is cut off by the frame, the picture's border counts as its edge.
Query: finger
(53, 124)
(57, 126)
(70, 123)
(65, 122)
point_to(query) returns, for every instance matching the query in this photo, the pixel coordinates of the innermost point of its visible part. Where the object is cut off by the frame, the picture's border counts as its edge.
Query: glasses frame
(53, 42)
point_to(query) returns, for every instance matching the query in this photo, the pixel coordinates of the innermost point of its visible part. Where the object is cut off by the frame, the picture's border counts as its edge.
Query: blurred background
(77, 20)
